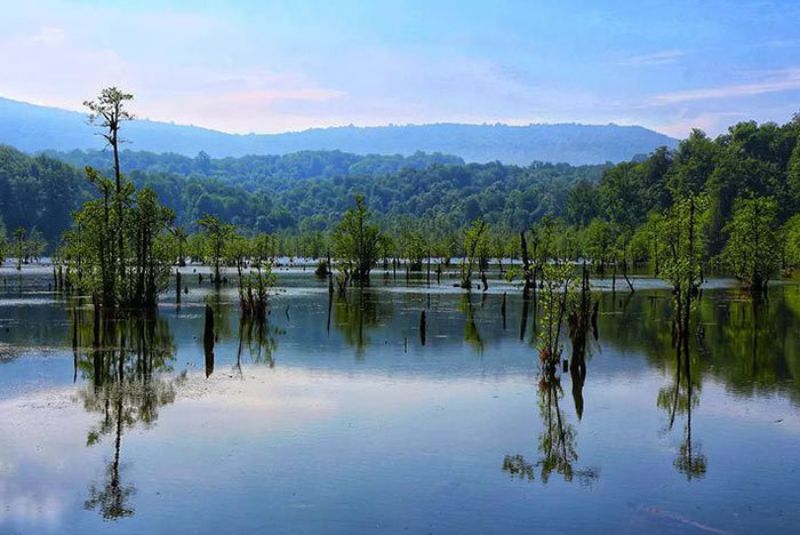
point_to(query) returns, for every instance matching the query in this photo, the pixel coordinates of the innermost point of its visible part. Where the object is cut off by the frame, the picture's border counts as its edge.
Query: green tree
(356, 243)
(153, 254)
(582, 203)
(793, 177)
(475, 240)
(181, 236)
(598, 243)
(19, 246)
(753, 252)
(108, 113)
(414, 246)
(217, 235)
(791, 239)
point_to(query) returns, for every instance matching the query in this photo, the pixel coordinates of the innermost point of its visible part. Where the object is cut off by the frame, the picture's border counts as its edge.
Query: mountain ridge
(34, 128)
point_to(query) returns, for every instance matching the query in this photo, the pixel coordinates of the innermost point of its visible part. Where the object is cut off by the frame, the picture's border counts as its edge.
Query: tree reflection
(124, 368)
(259, 338)
(582, 318)
(471, 333)
(752, 346)
(680, 398)
(355, 312)
(557, 441)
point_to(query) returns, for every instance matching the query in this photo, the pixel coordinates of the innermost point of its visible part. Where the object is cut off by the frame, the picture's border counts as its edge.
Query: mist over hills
(33, 128)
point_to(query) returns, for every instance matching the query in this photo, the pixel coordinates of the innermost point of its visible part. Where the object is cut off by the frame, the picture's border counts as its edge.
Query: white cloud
(786, 80)
(656, 58)
(708, 122)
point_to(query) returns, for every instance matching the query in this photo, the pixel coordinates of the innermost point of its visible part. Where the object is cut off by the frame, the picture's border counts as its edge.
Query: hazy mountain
(33, 128)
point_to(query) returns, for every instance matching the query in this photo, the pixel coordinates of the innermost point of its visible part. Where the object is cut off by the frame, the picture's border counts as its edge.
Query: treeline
(743, 188)
(749, 161)
(257, 171)
(294, 194)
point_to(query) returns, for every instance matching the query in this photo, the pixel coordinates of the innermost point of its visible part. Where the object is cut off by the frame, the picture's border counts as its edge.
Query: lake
(338, 415)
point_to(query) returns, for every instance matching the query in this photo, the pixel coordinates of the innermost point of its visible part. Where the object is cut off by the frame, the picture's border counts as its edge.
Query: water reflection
(582, 319)
(471, 333)
(356, 312)
(259, 338)
(742, 355)
(557, 445)
(752, 346)
(681, 398)
(125, 369)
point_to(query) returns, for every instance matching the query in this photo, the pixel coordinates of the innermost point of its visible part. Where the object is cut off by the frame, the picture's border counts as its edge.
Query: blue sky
(261, 66)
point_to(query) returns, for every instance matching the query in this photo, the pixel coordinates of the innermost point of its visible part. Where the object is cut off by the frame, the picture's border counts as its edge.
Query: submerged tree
(475, 242)
(256, 284)
(19, 246)
(118, 247)
(537, 249)
(558, 286)
(108, 113)
(92, 248)
(216, 236)
(753, 251)
(356, 243)
(683, 232)
(414, 245)
(181, 237)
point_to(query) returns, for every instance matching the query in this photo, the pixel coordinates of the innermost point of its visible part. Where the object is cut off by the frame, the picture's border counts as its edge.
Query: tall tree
(217, 235)
(108, 113)
(753, 252)
(356, 243)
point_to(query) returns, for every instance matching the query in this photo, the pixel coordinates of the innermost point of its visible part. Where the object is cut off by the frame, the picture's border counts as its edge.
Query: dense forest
(293, 193)
(613, 206)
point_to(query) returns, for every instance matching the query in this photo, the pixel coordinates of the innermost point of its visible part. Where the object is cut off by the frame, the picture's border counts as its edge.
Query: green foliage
(791, 237)
(683, 232)
(254, 259)
(423, 203)
(25, 246)
(793, 177)
(92, 247)
(119, 247)
(414, 245)
(356, 243)
(598, 243)
(753, 252)
(475, 244)
(216, 236)
(557, 288)
(39, 192)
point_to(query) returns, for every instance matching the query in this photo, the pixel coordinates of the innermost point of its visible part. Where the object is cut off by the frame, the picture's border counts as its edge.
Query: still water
(338, 415)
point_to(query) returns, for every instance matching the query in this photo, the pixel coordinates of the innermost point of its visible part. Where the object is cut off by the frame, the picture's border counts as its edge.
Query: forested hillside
(310, 191)
(750, 161)
(299, 192)
(254, 172)
(34, 128)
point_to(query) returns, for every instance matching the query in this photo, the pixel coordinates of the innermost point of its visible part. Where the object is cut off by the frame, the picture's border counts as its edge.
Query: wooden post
(503, 311)
(422, 327)
(208, 340)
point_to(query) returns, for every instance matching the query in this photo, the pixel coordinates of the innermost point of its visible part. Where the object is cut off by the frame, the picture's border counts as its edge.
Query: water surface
(336, 415)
